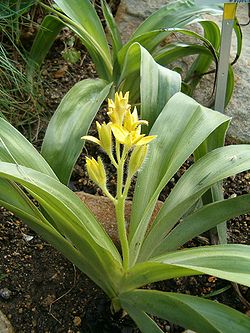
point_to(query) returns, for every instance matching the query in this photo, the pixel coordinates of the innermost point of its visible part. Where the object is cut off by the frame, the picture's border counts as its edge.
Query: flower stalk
(130, 147)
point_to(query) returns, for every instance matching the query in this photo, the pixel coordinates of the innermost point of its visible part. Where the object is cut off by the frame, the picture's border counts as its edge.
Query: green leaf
(57, 240)
(175, 15)
(238, 33)
(204, 219)
(193, 123)
(113, 28)
(16, 149)
(13, 196)
(142, 320)
(49, 29)
(158, 85)
(75, 222)
(190, 312)
(230, 85)
(210, 169)
(203, 62)
(166, 82)
(81, 17)
(178, 50)
(62, 142)
(229, 262)
(83, 13)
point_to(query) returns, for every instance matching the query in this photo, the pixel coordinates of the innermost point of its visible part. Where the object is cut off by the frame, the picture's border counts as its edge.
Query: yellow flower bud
(96, 171)
(105, 136)
(118, 108)
(136, 159)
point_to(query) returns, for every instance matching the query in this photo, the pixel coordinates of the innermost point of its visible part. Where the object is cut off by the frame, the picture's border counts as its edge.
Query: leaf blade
(210, 169)
(188, 311)
(62, 142)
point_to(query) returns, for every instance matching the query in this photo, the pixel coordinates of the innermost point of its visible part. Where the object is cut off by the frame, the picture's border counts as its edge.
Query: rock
(5, 325)
(104, 211)
(239, 107)
(5, 293)
(131, 13)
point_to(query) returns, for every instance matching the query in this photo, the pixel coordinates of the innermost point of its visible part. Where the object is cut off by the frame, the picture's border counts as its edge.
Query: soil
(40, 291)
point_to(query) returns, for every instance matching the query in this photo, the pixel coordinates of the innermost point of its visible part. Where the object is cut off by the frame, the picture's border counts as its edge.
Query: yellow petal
(145, 140)
(119, 132)
(91, 138)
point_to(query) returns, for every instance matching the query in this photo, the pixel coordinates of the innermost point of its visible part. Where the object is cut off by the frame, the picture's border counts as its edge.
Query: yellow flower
(132, 138)
(105, 137)
(118, 108)
(131, 120)
(96, 171)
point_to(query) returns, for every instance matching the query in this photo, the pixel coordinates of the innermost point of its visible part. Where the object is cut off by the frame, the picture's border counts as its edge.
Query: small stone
(27, 238)
(5, 293)
(77, 321)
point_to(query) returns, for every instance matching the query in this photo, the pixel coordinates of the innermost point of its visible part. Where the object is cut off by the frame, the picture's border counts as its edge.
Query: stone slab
(104, 211)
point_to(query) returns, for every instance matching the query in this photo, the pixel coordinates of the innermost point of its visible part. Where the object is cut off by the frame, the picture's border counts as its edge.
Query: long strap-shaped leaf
(83, 13)
(210, 169)
(15, 148)
(230, 262)
(158, 85)
(178, 50)
(83, 20)
(62, 142)
(180, 128)
(40, 225)
(165, 82)
(142, 320)
(190, 312)
(71, 217)
(202, 63)
(10, 142)
(45, 37)
(175, 14)
(12, 195)
(113, 28)
(204, 219)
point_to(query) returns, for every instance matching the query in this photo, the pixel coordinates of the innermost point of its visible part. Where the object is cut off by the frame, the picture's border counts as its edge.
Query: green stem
(121, 224)
(120, 210)
(113, 161)
(127, 186)
(118, 152)
(109, 195)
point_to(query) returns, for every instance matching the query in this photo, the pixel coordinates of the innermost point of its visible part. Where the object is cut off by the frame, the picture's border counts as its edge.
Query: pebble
(5, 293)
(77, 321)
